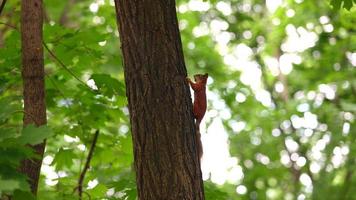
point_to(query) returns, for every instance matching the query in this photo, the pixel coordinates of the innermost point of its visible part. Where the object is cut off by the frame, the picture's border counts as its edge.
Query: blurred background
(282, 98)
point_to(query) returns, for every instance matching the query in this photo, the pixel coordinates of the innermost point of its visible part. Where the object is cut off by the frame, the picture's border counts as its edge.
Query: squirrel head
(201, 78)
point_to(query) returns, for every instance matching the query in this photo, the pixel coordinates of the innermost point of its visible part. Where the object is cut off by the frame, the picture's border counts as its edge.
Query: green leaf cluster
(347, 4)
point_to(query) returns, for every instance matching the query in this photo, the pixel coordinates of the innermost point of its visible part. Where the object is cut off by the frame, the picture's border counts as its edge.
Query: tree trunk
(165, 152)
(33, 81)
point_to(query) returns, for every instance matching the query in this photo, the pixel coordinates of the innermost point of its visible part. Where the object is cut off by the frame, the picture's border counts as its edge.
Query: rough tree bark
(33, 81)
(165, 154)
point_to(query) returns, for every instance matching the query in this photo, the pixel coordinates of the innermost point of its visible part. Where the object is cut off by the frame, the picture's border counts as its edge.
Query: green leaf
(108, 85)
(336, 4)
(9, 185)
(11, 156)
(347, 4)
(213, 192)
(6, 133)
(63, 158)
(23, 195)
(131, 193)
(6, 107)
(34, 135)
(11, 179)
(98, 191)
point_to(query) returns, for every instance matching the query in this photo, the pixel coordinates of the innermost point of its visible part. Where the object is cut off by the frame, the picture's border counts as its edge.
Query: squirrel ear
(206, 74)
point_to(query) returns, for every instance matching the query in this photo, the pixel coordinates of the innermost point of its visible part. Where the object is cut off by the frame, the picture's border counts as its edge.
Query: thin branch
(63, 65)
(55, 57)
(2, 6)
(56, 86)
(10, 25)
(88, 195)
(87, 165)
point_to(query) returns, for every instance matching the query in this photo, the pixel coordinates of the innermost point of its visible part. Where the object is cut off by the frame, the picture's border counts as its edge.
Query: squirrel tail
(198, 142)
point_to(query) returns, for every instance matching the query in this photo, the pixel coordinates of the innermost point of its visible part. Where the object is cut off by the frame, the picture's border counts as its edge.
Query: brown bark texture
(162, 124)
(33, 81)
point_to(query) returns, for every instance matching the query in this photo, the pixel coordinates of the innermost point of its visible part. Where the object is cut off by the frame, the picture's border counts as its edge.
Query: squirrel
(199, 105)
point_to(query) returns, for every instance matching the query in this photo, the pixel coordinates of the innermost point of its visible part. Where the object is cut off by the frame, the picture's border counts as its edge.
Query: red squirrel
(199, 105)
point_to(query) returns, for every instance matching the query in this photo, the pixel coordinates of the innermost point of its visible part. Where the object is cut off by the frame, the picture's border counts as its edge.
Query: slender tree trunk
(33, 81)
(165, 152)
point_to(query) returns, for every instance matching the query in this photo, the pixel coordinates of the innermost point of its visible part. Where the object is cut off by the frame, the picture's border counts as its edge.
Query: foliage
(347, 4)
(288, 109)
(285, 128)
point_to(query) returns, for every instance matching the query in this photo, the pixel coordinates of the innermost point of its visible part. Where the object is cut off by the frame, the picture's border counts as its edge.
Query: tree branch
(87, 165)
(10, 26)
(63, 65)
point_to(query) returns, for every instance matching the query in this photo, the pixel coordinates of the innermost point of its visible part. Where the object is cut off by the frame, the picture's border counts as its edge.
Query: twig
(63, 65)
(86, 166)
(55, 57)
(11, 26)
(56, 86)
(88, 195)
